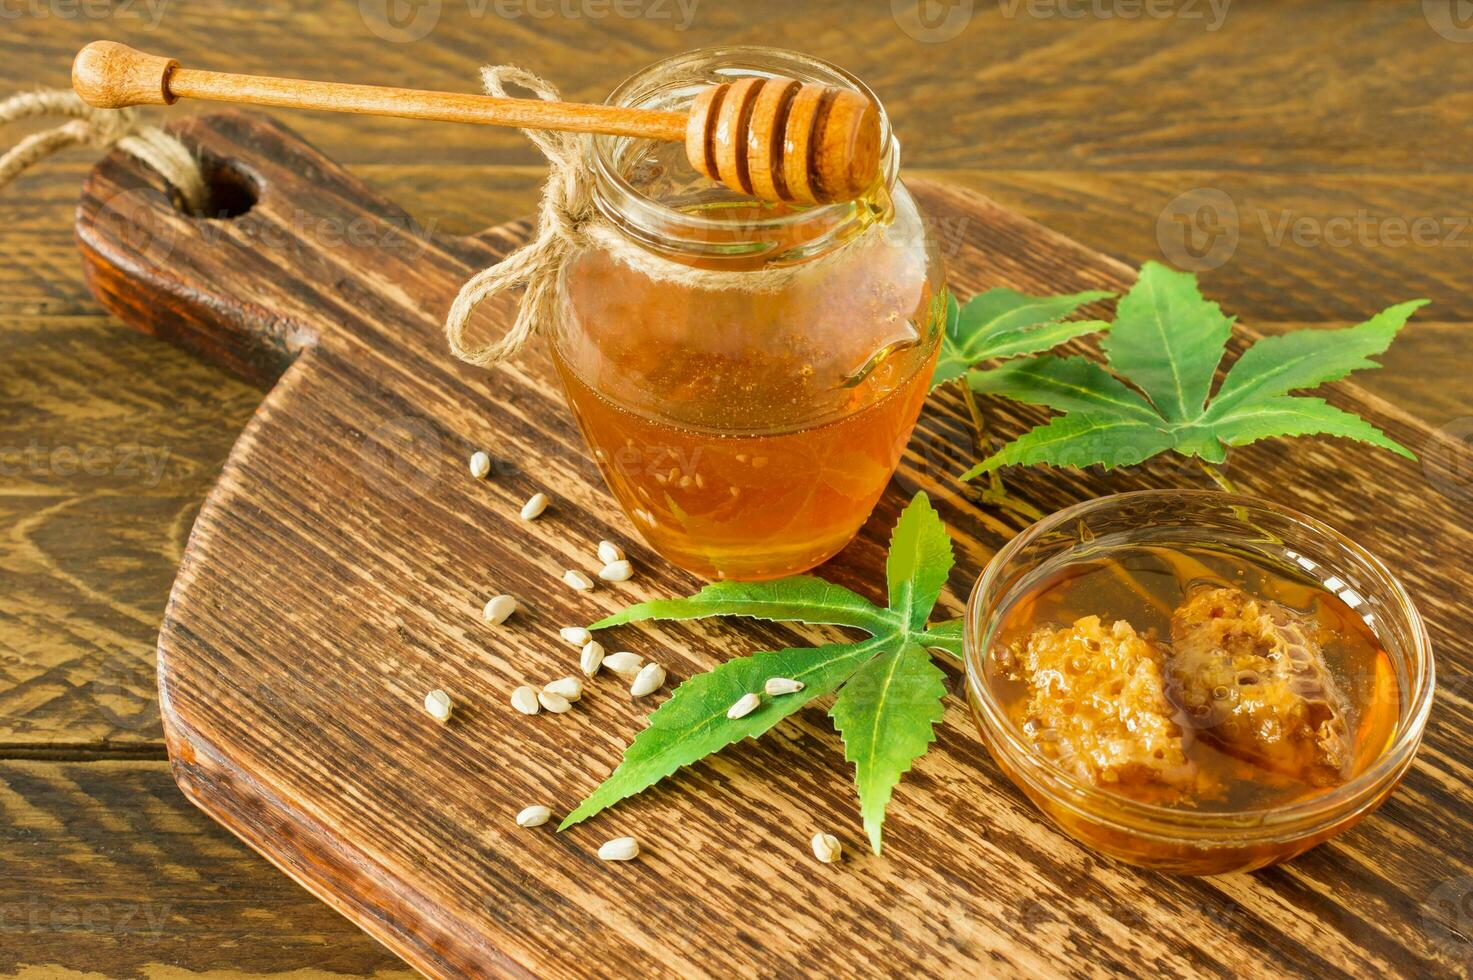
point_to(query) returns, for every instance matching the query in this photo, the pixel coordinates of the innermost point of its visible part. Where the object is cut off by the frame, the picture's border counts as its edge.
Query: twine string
(103, 129)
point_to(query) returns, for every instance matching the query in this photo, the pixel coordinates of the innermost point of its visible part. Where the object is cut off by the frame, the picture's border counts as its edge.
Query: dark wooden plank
(323, 594)
(1360, 86)
(106, 870)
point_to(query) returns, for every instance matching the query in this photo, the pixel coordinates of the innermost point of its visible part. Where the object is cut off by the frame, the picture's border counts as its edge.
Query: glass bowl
(1169, 838)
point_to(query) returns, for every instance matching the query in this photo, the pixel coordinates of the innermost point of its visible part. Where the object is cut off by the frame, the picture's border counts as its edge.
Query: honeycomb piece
(1097, 705)
(1253, 682)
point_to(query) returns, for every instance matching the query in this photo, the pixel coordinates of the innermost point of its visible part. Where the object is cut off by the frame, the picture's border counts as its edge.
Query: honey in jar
(748, 380)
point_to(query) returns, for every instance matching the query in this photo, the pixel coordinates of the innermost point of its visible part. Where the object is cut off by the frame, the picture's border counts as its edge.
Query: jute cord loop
(103, 129)
(567, 221)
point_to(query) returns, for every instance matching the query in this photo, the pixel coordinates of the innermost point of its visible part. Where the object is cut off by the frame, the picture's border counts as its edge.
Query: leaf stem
(979, 427)
(1217, 475)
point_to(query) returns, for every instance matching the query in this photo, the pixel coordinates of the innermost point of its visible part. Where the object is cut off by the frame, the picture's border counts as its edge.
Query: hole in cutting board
(233, 191)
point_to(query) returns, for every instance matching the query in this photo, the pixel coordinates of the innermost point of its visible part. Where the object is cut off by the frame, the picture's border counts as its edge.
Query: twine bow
(563, 219)
(101, 128)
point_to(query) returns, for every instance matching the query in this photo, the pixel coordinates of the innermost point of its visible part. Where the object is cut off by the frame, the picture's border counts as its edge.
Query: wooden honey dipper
(773, 138)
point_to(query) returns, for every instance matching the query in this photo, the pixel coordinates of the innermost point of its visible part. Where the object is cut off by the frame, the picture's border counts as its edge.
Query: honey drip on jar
(1195, 678)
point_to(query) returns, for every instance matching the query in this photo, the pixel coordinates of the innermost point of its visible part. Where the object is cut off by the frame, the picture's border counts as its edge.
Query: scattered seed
(480, 465)
(826, 848)
(591, 658)
(608, 552)
(524, 699)
(570, 688)
(534, 506)
(624, 663)
(554, 702)
(648, 680)
(577, 580)
(576, 635)
(498, 608)
(437, 703)
(745, 705)
(533, 816)
(619, 849)
(778, 686)
(617, 571)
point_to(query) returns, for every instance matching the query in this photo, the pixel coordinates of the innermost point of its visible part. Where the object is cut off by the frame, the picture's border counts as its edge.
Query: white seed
(554, 702)
(534, 506)
(616, 571)
(624, 663)
(608, 552)
(745, 705)
(778, 686)
(591, 658)
(826, 848)
(648, 680)
(576, 635)
(524, 699)
(570, 688)
(480, 465)
(533, 816)
(437, 703)
(498, 608)
(619, 849)
(577, 580)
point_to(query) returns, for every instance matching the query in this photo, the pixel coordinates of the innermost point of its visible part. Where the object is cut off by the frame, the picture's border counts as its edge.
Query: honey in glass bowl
(748, 409)
(1196, 682)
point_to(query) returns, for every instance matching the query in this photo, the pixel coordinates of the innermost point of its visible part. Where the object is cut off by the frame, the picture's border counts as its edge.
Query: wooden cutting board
(337, 571)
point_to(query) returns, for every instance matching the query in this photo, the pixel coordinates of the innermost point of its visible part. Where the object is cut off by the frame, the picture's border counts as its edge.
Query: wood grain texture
(336, 570)
(105, 870)
(1331, 108)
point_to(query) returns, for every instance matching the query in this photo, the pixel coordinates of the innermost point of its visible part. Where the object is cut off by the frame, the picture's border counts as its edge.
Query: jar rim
(629, 208)
(1171, 823)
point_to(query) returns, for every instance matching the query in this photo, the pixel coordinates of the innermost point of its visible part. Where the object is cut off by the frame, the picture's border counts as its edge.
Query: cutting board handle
(246, 284)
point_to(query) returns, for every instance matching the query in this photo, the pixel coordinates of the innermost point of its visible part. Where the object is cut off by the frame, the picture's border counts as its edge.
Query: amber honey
(749, 436)
(1218, 683)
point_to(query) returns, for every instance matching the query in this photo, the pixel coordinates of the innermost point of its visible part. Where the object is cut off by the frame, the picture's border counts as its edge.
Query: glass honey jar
(746, 373)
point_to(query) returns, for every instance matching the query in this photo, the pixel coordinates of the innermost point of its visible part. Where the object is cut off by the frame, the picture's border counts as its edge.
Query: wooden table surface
(1317, 154)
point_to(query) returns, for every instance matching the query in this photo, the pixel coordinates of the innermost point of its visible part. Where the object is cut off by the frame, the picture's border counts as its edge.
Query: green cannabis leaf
(1152, 395)
(1005, 323)
(890, 693)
